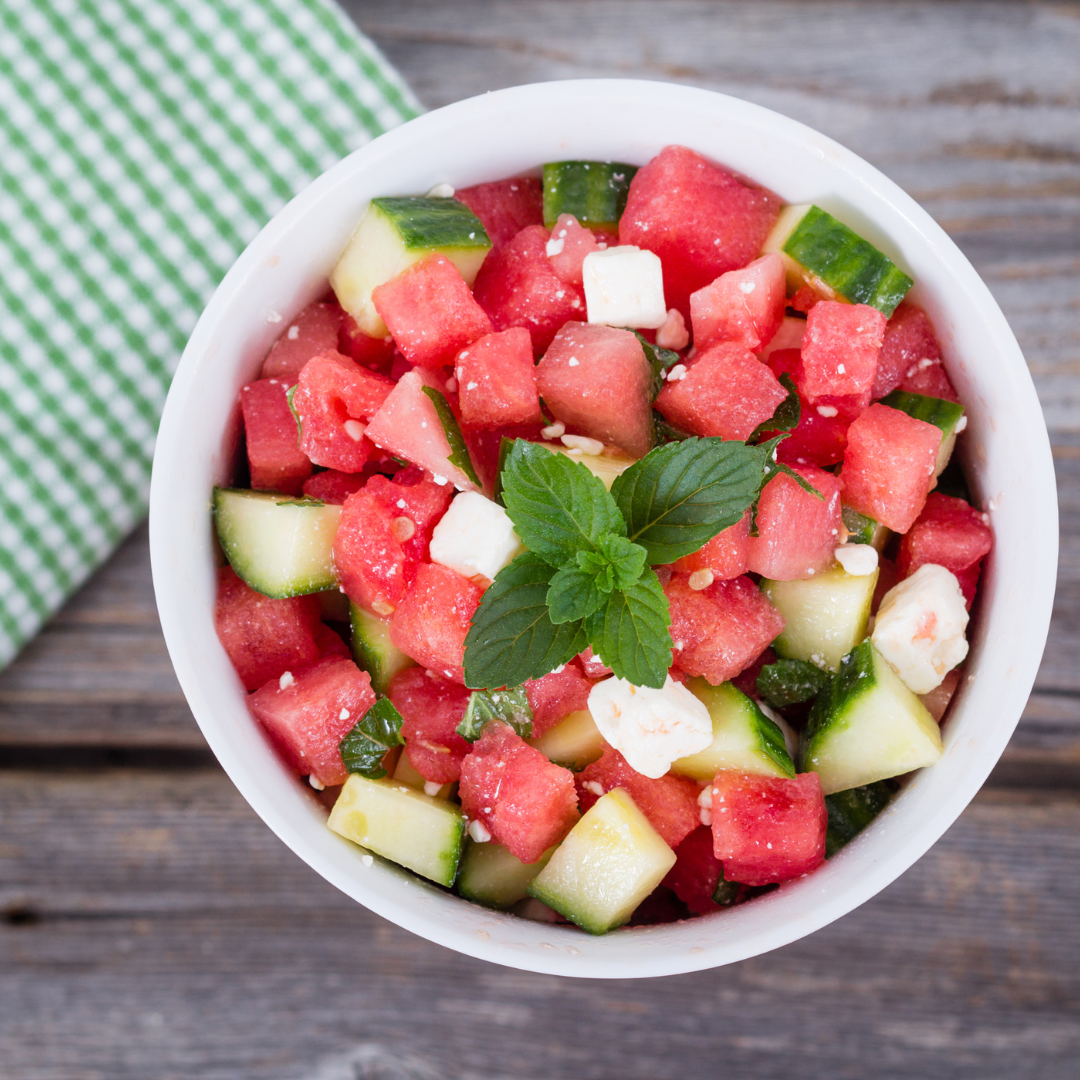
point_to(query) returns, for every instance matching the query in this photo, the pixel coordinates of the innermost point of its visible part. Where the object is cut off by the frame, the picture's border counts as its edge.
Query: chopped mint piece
(459, 452)
(788, 682)
(378, 730)
(509, 706)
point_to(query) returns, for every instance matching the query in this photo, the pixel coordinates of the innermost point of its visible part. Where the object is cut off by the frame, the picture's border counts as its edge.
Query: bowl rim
(421, 908)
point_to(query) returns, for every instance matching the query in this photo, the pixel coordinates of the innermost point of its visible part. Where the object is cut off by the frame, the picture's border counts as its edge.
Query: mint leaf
(665, 432)
(626, 558)
(788, 682)
(804, 484)
(788, 412)
(557, 506)
(378, 730)
(505, 446)
(289, 395)
(682, 494)
(459, 452)
(574, 593)
(512, 637)
(660, 359)
(631, 632)
(510, 706)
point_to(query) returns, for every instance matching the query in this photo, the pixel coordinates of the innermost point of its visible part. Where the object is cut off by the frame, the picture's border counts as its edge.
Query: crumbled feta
(344, 714)
(553, 431)
(293, 332)
(573, 362)
(650, 728)
(624, 286)
(441, 191)
(961, 424)
(452, 384)
(858, 560)
(595, 787)
(827, 411)
(841, 369)
(676, 373)
(432, 787)
(367, 860)
(478, 831)
(673, 334)
(286, 680)
(273, 316)
(316, 783)
(920, 627)
(747, 287)
(442, 481)
(474, 536)
(582, 443)
(555, 246)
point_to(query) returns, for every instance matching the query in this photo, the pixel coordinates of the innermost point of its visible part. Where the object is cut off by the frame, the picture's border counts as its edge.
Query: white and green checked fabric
(143, 143)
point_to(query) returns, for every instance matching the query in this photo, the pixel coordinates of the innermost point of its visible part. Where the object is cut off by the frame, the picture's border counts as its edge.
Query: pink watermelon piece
(909, 338)
(505, 207)
(804, 300)
(331, 486)
(725, 555)
(375, 354)
(315, 330)
(518, 286)
(526, 802)
(308, 713)
(821, 435)
(556, 695)
(700, 219)
(334, 397)
(888, 576)
(596, 380)
(431, 709)
(670, 803)
(930, 379)
(840, 351)
(593, 666)
(951, 533)
(696, 873)
(726, 391)
(789, 336)
(569, 244)
(720, 630)
(889, 466)
(430, 312)
(331, 643)
(768, 829)
(484, 443)
(744, 306)
(263, 636)
(496, 379)
(433, 618)
(797, 532)
(408, 426)
(383, 537)
(746, 680)
(274, 456)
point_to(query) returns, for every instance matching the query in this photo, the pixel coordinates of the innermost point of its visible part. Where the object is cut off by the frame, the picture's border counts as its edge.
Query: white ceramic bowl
(508, 132)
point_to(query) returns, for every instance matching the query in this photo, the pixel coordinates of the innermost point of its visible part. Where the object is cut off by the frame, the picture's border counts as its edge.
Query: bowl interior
(513, 131)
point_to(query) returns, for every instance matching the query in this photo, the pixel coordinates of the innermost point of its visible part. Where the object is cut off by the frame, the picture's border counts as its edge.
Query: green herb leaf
(626, 558)
(726, 892)
(510, 706)
(289, 395)
(665, 432)
(631, 632)
(788, 682)
(574, 593)
(660, 359)
(459, 452)
(809, 488)
(512, 637)
(557, 506)
(682, 494)
(788, 412)
(363, 749)
(505, 446)
(852, 810)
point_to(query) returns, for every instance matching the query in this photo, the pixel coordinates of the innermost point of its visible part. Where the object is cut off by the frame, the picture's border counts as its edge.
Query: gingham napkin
(143, 143)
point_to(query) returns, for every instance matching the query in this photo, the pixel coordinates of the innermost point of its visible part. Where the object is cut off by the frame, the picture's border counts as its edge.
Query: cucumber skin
(593, 191)
(852, 810)
(381, 659)
(942, 414)
(426, 224)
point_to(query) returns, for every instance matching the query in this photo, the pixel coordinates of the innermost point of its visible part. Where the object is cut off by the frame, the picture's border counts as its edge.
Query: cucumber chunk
(492, 876)
(790, 682)
(593, 191)
(826, 615)
(610, 861)
(834, 261)
(864, 530)
(573, 742)
(744, 738)
(404, 771)
(608, 465)
(403, 825)
(279, 546)
(852, 810)
(373, 650)
(942, 414)
(393, 234)
(866, 725)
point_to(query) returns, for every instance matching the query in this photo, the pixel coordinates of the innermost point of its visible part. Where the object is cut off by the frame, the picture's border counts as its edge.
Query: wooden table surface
(151, 926)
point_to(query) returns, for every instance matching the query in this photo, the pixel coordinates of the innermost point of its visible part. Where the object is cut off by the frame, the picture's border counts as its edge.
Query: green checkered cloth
(143, 143)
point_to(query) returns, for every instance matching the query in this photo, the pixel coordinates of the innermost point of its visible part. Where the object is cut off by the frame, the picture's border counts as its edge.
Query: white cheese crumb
(400, 504)
(592, 785)
(479, 832)
(286, 680)
(474, 536)
(700, 579)
(432, 787)
(572, 362)
(553, 431)
(316, 783)
(293, 333)
(961, 424)
(827, 410)
(624, 286)
(441, 191)
(354, 429)
(555, 246)
(705, 815)
(344, 714)
(471, 385)
(841, 370)
(367, 860)
(556, 670)
(452, 384)
(273, 316)
(582, 443)
(704, 799)
(747, 287)
(859, 560)
(676, 373)
(442, 481)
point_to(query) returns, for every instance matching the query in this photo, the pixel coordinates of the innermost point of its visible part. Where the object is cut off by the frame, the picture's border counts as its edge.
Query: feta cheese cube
(920, 627)
(858, 560)
(650, 728)
(474, 536)
(624, 286)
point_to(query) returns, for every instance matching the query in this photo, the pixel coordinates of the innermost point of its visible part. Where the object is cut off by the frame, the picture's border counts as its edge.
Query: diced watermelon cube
(311, 711)
(696, 873)
(433, 618)
(930, 380)
(725, 555)
(726, 391)
(746, 680)
(797, 532)
(700, 219)
(264, 636)
(333, 398)
(950, 533)
(596, 380)
(408, 426)
(383, 536)
(505, 207)
(670, 803)
(332, 486)
(569, 244)
(821, 435)
(804, 300)
(431, 709)
(496, 379)
(840, 351)
(909, 338)
(720, 630)
(593, 666)
(518, 286)
(274, 456)
(375, 354)
(889, 466)
(331, 643)
(315, 330)
(744, 306)
(526, 802)
(768, 829)
(556, 695)
(789, 336)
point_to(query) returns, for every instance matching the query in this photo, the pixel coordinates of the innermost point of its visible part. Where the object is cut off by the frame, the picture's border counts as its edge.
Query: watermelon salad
(600, 553)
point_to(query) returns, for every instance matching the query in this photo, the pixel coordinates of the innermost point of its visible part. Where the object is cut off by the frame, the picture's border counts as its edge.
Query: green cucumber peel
(510, 706)
(789, 682)
(860, 528)
(459, 452)
(852, 810)
(593, 191)
(365, 746)
(289, 395)
(660, 361)
(428, 223)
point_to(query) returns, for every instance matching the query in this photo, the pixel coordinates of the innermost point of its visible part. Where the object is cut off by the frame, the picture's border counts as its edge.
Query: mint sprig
(510, 706)
(378, 730)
